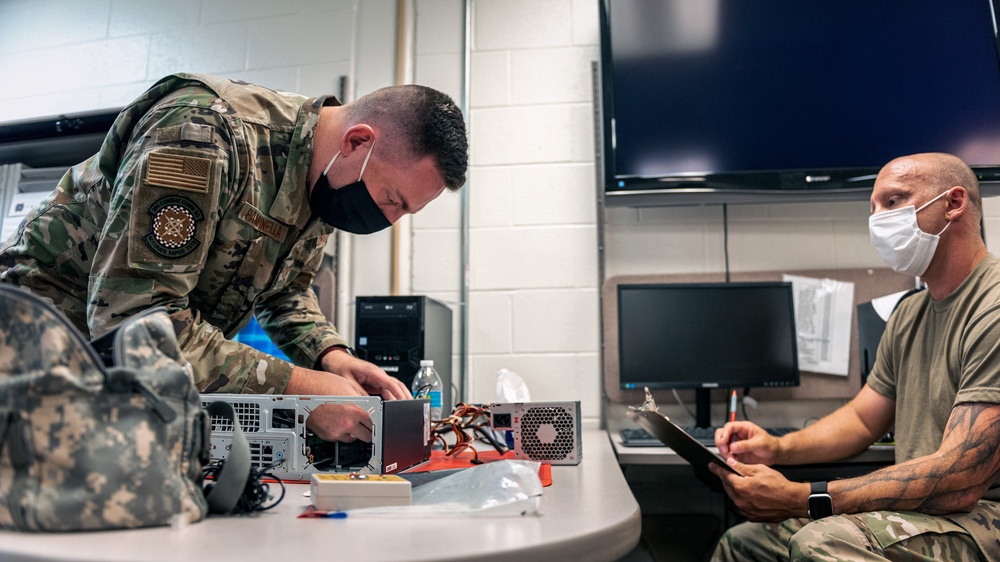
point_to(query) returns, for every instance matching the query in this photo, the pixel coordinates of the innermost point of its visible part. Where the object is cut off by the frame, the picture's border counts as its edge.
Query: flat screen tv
(705, 336)
(725, 98)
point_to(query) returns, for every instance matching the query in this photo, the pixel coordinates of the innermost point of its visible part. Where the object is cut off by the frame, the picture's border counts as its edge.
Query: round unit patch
(172, 226)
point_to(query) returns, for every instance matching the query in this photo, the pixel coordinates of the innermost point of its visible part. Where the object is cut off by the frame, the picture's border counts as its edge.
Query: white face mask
(898, 239)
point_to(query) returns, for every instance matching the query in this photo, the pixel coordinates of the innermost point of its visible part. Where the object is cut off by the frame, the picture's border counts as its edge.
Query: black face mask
(350, 208)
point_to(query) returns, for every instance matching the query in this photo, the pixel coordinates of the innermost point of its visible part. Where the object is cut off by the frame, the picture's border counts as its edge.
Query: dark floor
(675, 538)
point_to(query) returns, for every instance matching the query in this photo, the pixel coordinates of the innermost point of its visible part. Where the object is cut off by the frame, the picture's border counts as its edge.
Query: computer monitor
(707, 335)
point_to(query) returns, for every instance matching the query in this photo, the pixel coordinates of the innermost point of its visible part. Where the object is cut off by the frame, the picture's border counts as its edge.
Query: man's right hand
(747, 443)
(332, 422)
(340, 422)
(305, 382)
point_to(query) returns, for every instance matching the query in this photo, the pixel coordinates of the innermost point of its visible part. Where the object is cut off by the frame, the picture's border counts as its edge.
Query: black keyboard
(638, 437)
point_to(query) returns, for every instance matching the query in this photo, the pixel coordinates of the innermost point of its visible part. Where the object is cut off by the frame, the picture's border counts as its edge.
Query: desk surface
(780, 414)
(588, 513)
(876, 454)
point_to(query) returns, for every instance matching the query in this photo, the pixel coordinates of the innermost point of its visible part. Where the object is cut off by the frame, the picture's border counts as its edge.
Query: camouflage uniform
(878, 535)
(934, 354)
(196, 201)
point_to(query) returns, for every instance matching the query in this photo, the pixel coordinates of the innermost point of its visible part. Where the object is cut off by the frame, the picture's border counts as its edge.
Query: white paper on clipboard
(823, 311)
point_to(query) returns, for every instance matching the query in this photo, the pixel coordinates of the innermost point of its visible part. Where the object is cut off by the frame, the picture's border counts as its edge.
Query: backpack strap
(232, 478)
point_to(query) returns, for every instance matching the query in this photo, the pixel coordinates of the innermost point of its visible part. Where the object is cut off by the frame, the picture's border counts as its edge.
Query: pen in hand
(732, 414)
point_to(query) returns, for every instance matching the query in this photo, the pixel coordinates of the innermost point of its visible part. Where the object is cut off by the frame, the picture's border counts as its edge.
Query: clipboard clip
(649, 405)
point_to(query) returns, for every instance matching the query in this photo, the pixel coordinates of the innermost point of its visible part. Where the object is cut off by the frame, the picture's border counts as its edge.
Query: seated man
(215, 198)
(936, 378)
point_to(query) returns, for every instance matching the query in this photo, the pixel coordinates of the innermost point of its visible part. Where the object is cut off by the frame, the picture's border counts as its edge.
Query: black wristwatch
(350, 350)
(319, 360)
(820, 502)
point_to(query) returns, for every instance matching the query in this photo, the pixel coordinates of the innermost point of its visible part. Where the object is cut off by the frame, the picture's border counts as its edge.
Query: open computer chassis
(275, 427)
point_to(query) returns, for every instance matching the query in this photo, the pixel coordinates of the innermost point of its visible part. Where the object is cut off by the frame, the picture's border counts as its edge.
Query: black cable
(725, 237)
(256, 492)
(486, 435)
(743, 402)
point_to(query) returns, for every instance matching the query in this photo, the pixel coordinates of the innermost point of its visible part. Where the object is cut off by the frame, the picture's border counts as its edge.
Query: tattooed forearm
(951, 480)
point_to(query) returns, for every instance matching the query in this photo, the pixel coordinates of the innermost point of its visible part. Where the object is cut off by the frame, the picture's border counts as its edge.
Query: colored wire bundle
(466, 421)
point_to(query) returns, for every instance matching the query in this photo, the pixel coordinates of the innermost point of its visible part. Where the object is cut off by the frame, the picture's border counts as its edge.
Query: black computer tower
(870, 328)
(396, 333)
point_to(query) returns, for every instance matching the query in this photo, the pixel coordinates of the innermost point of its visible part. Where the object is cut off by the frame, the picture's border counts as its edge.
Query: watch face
(820, 506)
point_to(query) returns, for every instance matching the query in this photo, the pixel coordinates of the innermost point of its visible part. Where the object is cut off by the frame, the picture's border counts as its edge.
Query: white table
(588, 513)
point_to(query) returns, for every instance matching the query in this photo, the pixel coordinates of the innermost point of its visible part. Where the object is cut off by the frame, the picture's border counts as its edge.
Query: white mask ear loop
(365, 163)
(332, 160)
(931, 201)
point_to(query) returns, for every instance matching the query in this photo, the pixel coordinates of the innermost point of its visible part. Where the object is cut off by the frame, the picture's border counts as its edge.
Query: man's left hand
(373, 379)
(762, 493)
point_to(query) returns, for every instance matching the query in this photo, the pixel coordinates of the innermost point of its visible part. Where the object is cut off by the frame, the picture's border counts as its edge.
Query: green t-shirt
(937, 354)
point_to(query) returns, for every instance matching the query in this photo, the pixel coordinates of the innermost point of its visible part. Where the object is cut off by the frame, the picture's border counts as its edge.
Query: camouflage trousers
(878, 535)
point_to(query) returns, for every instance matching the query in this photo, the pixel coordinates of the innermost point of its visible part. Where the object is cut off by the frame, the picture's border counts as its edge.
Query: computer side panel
(276, 429)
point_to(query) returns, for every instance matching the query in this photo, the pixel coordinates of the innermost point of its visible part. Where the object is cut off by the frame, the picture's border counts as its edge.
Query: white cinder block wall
(533, 293)
(60, 56)
(533, 270)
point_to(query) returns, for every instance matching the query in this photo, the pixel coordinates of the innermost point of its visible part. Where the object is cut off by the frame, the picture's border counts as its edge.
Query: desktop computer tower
(275, 427)
(396, 333)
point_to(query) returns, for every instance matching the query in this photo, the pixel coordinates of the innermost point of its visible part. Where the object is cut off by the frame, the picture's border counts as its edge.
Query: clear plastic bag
(511, 388)
(497, 489)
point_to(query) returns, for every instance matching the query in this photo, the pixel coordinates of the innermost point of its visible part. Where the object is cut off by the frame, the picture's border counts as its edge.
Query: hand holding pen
(744, 440)
(732, 414)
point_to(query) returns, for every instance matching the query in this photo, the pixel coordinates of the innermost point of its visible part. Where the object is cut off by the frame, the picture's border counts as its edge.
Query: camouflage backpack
(90, 443)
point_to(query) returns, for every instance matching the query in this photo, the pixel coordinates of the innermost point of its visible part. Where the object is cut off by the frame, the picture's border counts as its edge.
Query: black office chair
(870, 330)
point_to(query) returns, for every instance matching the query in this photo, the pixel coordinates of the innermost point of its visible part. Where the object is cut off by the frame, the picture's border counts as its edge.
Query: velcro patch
(196, 132)
(178, 171)
(173, 220)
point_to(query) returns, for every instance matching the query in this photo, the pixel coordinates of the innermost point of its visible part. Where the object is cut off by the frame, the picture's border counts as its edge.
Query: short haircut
(946, 171)
(959, 173)
(424, 121)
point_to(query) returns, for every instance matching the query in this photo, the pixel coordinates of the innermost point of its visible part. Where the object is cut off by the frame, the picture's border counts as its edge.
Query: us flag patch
(178, 171)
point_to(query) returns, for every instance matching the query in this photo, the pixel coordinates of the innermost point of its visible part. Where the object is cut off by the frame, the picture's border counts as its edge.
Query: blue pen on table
(316, 514)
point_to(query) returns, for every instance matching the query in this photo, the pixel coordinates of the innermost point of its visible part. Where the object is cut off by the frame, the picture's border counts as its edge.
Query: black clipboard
(679, 440)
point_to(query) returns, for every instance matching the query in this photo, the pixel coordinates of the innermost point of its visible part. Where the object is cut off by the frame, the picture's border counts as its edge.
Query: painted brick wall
(62, 56)
(533, 293)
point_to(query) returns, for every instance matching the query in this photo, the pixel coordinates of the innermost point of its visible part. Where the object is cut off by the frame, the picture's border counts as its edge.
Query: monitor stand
(703, 407)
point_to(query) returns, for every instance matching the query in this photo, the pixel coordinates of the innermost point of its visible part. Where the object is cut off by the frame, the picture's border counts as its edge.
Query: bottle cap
(426, 362)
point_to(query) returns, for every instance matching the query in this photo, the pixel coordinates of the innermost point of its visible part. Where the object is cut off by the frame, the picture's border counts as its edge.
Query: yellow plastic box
(335, 492)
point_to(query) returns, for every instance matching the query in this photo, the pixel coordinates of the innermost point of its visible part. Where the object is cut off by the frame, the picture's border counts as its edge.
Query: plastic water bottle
(427, 383)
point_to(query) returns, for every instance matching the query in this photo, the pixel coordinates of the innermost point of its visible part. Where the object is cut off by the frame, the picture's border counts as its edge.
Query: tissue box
(335, 492)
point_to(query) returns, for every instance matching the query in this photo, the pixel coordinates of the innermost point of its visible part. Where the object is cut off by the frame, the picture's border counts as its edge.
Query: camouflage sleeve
(175, 173)
(222, 365)
(293, 318)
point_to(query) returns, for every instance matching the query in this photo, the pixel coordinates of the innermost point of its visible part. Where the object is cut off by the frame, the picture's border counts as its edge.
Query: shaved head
(936, 172)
